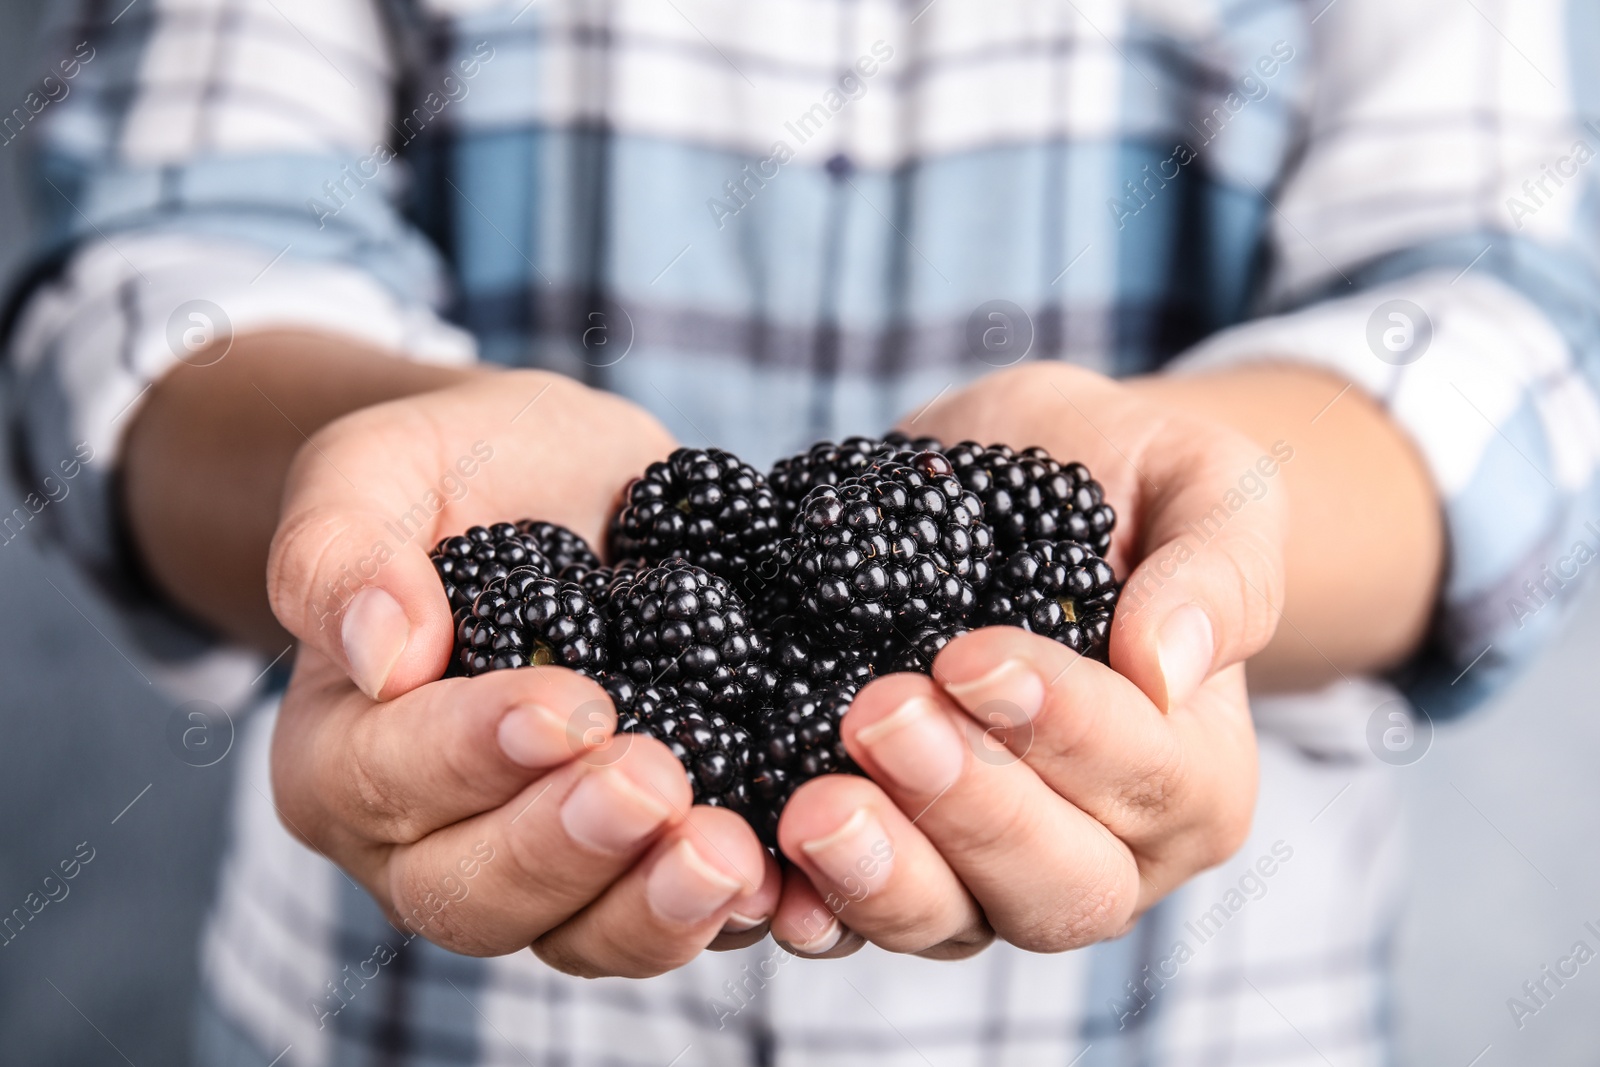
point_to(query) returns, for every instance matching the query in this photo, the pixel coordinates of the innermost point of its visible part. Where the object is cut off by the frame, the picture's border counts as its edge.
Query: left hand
(1027, 792)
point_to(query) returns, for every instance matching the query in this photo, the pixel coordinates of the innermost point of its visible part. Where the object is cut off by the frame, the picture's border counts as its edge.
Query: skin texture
(1021, 792)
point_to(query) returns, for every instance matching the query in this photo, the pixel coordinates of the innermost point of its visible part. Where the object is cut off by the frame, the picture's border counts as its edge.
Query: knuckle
(377, 802)
(299, 548)
(1258, 565)
(1093, 911)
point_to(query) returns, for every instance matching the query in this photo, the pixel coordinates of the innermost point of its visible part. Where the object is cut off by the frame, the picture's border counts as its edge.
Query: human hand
(490, 813)
(1024, 791)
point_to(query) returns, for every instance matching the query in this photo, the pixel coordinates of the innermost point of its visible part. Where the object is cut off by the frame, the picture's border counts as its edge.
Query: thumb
(347, 581)
(1209, 595)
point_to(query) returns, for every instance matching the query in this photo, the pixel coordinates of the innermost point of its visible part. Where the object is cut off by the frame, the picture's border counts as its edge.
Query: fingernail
(916, 746)
(822, 942)
(684, 888)
(535, 736)
(608, 813)
(1013, 684)
(374, 632)
(1185, 646)
(857, 856)
(738, 924)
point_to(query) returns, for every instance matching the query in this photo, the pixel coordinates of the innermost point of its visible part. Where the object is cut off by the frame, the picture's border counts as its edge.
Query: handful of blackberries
(742, 612)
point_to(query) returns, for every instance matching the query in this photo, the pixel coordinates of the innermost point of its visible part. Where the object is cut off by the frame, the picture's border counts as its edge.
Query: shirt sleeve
(216, 167)
(1436, 245)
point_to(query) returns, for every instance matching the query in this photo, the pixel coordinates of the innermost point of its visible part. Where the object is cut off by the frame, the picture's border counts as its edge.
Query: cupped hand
(1024, 791)
(492, 813)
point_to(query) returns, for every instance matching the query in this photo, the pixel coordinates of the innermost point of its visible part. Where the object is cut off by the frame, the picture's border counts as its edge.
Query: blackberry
(801, 664)
(793, 743)
(707, 506)
(824, 463)
(527, 619)
(1028, 496)
(714, 751)
(681, 625)
(1060, 589)
(904, 442)
(914, 653)
(468, 562)
(898, 547)
(562, 547)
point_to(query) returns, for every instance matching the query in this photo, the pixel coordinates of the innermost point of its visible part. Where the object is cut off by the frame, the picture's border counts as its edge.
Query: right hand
(496, 812)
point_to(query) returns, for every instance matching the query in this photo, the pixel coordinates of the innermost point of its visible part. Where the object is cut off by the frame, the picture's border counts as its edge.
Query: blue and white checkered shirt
(771, 221)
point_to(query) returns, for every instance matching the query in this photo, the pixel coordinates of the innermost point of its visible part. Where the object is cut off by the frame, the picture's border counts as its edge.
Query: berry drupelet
(681, 625)
(562, 547)
(705, 505)
(468, 562)
(714, 751)
(900, 546)
(916, 651)
(800, 663)
(528, 619)
(1029, 496)
(824, 463)
(793, 743)
(1060, 589)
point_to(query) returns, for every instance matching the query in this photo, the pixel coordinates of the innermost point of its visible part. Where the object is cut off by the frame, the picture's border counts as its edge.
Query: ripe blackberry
(898, 547)
(1028, 496)
(714, 751)
(560, 546)
(898, 442)
(678, 624)
(824, 463)
(707, 506)
(526, 619)
(794, 743)
(468, 562)
(1059, 589)
(915, 652)
(800, 663)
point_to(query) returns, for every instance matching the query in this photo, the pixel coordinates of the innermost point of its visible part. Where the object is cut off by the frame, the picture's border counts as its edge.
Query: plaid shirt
(776, 221)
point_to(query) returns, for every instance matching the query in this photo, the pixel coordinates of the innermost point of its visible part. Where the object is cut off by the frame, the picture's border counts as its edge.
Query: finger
(877, 872)
(396, 771)
(805, 925)
(751, 917)
(1048, 876)
(1209, 590)
(671, 906)
(341, 581)
(1178, 789)
(555, 847)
